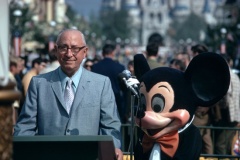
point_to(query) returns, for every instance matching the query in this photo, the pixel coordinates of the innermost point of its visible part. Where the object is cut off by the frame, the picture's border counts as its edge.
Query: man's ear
(56, 49)
(85, 51)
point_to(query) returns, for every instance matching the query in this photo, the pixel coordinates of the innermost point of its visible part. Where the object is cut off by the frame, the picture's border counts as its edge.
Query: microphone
(127, 73)
(130, 82)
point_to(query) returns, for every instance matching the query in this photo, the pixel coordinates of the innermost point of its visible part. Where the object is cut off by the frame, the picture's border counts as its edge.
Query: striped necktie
(69, 95)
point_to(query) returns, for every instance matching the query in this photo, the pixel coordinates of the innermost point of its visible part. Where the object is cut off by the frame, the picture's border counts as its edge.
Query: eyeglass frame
(67, 48)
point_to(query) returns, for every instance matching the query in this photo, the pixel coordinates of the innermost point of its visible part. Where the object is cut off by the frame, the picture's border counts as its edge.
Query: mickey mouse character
(168, 100)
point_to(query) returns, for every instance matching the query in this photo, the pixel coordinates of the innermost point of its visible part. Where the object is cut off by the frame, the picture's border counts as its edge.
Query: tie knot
(69, 82)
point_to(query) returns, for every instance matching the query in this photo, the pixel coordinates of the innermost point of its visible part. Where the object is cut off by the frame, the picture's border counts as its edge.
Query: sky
(85, 7)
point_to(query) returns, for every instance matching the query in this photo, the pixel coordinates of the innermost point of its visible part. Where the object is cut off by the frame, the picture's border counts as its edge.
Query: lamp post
(17, 33)
(223, 41)
(51, 37)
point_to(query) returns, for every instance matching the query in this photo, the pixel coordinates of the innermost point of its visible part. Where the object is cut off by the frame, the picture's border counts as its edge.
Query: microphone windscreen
(127, 73)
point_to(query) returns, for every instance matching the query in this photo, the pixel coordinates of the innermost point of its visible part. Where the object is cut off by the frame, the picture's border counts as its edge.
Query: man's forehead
(70, 36)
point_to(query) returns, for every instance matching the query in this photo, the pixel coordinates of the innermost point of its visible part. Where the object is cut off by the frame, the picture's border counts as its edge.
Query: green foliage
(190, 28)
(75, 20)
(17, 23)
(109, 26)
(116, 24)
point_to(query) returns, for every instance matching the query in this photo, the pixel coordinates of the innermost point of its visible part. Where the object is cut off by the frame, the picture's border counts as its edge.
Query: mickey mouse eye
(158, 103)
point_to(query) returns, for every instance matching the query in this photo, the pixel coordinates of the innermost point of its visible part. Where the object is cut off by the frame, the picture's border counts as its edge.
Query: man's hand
(119, 154)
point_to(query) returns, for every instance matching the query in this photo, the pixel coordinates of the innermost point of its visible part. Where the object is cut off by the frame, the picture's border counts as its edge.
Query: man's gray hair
(70, 29)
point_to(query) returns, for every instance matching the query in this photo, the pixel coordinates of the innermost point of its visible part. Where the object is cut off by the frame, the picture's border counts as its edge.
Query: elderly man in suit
(70, 100)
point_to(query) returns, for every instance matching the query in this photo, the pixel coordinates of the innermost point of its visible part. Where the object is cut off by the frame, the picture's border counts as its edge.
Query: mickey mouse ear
(140, 65)
(209, 76)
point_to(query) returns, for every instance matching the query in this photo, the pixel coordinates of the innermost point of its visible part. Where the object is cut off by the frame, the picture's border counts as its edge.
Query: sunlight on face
(70, 61)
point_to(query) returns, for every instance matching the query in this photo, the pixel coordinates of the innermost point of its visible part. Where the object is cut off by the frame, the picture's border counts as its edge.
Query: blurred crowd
(112, 61)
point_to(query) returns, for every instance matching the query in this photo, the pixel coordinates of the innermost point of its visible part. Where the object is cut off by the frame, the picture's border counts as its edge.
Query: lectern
(63, 148)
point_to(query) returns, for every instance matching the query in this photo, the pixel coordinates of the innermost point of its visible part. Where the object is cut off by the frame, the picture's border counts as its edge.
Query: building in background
(47, 10)
(154, 16)
(154, 19)
(39, 21)
(148, 17)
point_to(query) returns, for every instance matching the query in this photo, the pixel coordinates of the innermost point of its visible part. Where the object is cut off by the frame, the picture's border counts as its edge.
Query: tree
(190, 28)
(116, 24)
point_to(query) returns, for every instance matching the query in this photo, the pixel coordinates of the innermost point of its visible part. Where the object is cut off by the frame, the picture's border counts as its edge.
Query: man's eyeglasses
(74, 50)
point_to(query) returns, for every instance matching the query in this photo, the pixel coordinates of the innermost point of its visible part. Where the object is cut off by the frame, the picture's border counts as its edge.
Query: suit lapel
(57, 88)
(81, 90)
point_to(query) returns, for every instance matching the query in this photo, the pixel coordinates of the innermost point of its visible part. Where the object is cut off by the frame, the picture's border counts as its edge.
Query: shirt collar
(75, 78)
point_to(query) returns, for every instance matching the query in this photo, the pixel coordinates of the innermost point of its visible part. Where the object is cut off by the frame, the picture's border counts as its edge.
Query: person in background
(110, 68)
(51, 108)
(177, 64)
(18, 78)
(88, 64)
(184, 57)
(96, 59)
(203, 114)
(38, 65)
(226, 113)
(14, 70)
(25, 68)
(152, 55)
(197, 49)
(130, 67)
(53, 62)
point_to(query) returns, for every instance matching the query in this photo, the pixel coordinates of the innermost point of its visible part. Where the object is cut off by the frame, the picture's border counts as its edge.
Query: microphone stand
(133, 98)
(134, 93)
(132, 125)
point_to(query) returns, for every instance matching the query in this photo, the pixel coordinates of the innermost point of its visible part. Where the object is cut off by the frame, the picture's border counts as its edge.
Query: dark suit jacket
(111, 69)
(93, 112)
